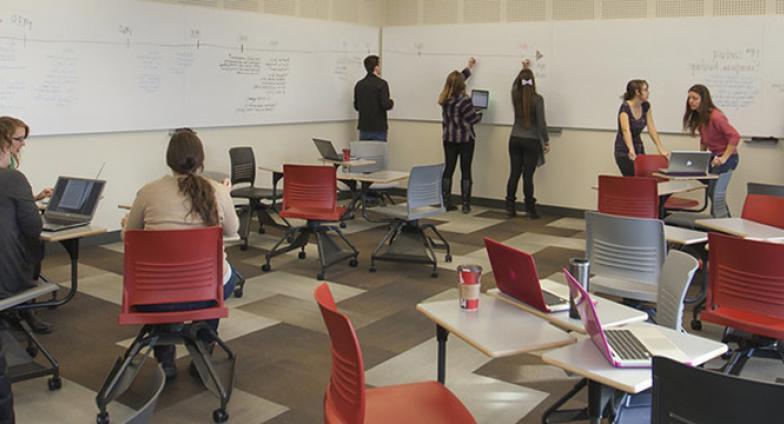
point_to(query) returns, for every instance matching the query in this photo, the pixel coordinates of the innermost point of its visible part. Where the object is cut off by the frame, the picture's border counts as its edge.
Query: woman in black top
(459, 118)
(634, 116)
(528, 142)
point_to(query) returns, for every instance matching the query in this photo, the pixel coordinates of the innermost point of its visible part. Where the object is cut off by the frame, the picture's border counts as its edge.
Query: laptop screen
(480, 98)
(77, 196)
(585, 306)
(326, 149)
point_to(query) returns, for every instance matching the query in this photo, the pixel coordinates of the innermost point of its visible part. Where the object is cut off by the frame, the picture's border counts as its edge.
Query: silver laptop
(73, 203)
(688, 163)
(327, 150)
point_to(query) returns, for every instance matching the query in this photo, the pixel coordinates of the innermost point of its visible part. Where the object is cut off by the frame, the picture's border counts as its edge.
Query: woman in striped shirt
(458, 122)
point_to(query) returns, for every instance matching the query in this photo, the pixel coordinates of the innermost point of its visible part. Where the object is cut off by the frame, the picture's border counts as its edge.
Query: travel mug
(579, 268)
(469, 283)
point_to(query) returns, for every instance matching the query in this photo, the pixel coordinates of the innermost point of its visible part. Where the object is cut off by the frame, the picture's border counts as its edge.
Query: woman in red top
(716, 133)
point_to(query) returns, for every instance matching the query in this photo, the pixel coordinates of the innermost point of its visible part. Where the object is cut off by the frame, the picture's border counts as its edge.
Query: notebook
(73, 203)
(515, 275)
(687, 163)
(327, 150)
(624, 347)
(480, 98)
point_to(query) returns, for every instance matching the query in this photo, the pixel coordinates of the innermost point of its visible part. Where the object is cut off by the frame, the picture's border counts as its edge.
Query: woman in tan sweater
(180, 201)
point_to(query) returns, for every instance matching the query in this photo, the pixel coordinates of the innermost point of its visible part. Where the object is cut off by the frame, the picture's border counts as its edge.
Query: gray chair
(376, 151)
(407, 240)
(718, 201)
(144, 414)
(626, 255)
(676, 274)
(766, 189)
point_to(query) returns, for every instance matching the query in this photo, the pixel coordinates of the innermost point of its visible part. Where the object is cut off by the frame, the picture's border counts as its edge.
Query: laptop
(480, 99)
(515, 275)
(687, 163)
(625, 347)
(327, 150)
(73, 203)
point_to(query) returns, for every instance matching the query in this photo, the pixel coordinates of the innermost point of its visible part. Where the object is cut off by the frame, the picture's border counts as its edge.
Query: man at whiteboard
(371, 100)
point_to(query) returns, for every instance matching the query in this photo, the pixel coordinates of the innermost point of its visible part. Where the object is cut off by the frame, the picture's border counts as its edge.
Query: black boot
(530, 209)
(465, 189)
(510, 207)
(166, 355)
(446, 192)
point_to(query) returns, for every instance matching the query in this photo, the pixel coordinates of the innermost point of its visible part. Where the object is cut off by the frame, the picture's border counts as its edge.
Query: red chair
(765, 209)
(170, 267)
(746, 294)
(347, 401)
(310, 193)
(629, 196)
(646, 165)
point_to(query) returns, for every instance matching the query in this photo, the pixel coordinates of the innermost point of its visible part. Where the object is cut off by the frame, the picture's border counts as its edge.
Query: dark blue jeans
(373, 135)
(730, 165)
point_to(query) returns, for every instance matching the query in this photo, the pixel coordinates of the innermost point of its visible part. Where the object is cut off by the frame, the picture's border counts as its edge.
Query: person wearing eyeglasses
(18, 140)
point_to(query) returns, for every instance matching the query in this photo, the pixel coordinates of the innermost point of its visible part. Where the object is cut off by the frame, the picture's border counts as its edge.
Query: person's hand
(226, 182)
(526, 63)
(547, 148)
(124, 221)
(664, 152)
(471, 62)
(44, 194)
(632, 156)
(717, 161)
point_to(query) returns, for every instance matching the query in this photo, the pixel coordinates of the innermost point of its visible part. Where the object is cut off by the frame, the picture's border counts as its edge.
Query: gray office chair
(718, 201)
(766, 189)
(676, 274)
(626, 255)
(376, 151)
(406, 234)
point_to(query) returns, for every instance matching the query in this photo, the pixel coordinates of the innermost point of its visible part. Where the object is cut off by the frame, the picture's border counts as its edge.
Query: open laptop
(73, 203)
(625, 347)
(480, 99)
(687, 163)
(327, 150)
(515, 275)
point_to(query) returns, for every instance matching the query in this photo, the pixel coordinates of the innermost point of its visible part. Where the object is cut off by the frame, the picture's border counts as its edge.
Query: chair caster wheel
(220, 415)
(342, 225)
(102, 418)
(301, 255)
(696, 325)
(266, 267)
(448, 258)
(434, 274)
(32, 351)
(55, 383)
(353, 263)
(320, 276)
(372, 269)
(238, 292)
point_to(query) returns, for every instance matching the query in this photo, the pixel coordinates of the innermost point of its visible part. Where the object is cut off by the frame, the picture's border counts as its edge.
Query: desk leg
(72, 247)
(598, 397)
(441, 335)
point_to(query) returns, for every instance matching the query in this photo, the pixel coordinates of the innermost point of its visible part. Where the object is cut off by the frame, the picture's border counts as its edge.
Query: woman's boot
(446, 192)
(465, 188)
(510, 207)
(530, 209)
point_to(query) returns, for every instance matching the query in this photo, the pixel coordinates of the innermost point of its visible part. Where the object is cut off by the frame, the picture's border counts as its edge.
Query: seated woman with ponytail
(180, 201)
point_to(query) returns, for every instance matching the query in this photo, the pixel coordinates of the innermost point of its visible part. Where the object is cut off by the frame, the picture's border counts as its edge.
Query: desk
(348, 163)
(613, 314)
(666, 188)
(488, 329)
(365, 180)
(684, 236)
(686, 177)
(584, 359)
(743, 228)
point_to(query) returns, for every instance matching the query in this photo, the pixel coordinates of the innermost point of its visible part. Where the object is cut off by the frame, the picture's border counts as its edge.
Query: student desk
(496, 329)
(743, 228)
(684, 236)
(613, 314)
(686, 177)
(666, 188)
(584, 359)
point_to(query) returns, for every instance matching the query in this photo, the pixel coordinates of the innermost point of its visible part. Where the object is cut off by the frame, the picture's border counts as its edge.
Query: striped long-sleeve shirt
(459, 117)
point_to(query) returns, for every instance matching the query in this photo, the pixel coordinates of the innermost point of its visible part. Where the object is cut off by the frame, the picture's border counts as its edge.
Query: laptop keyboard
(551, 299)
(625, 345)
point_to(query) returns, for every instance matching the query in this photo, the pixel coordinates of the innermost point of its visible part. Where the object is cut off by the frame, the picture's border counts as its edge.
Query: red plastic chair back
(309, 187)
(172, 266)
(629, 196)
(765, 209)
(345, 398)
(646, 165)
(746, 275)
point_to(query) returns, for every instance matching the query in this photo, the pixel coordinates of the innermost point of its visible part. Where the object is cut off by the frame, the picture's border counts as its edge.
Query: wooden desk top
(583, 358)
(496, 329)
(742, 228)
(678, 186)
(349, 163)
(686, 177)
(612, 314)
(381, 177)
(74, 233)
(684, 236)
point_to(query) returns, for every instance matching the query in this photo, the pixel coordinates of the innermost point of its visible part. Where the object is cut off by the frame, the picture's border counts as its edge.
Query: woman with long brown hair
(458, 136)
(528, 141)
(716, 132)
(634, 116)
(185, 200)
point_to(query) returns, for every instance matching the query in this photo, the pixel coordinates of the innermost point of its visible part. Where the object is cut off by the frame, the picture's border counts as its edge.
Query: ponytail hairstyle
(694, 119)
(633, 88)
(185, 156)
(523, 93)
(453, 87)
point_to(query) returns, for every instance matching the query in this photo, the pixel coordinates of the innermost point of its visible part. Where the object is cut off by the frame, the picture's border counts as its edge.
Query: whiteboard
(586, 66)
(86, 66)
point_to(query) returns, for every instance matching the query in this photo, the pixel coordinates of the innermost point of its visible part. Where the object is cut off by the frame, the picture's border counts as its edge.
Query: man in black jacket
(371, 100)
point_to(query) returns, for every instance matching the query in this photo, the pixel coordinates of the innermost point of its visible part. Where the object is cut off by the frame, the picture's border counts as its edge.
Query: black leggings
(524, 154)
(625, 164)
(466, 153)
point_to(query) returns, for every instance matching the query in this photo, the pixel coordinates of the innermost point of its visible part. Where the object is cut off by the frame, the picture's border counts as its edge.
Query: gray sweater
(538, 128)
(20, 230)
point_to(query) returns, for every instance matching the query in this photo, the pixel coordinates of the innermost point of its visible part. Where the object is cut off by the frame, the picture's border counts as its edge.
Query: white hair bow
(527, 82)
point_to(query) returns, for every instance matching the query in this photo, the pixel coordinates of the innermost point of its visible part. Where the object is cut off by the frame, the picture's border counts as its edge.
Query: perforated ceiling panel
(481, 11)
(439, 12)
(345, 10)
(624, 9)
(573, 9)
(318, 9)
(526, 10)
(280, 7)
(738, 7)
(675, 8)
(401, 12)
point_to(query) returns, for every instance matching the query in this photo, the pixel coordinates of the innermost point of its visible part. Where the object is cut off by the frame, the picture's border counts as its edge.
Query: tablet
(480, 98)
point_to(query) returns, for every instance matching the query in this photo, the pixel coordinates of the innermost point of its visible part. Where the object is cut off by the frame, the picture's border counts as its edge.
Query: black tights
(524, 155)
(466, 153)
